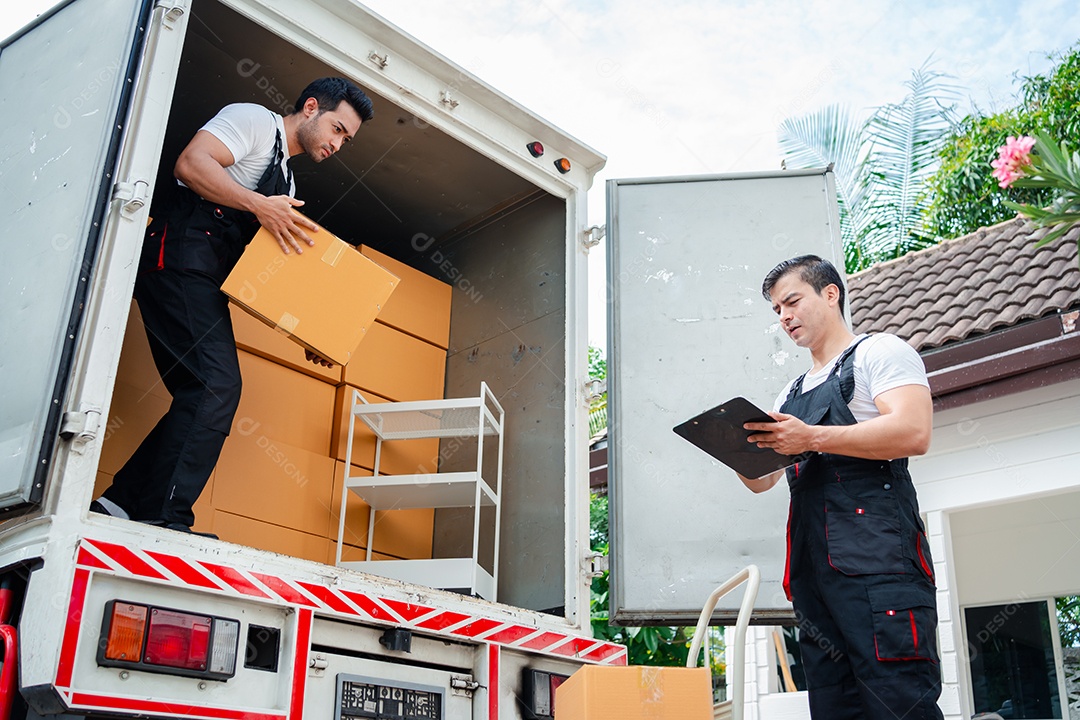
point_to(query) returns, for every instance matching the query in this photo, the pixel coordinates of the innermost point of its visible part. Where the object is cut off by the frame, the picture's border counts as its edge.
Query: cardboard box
(274, 538)
(403, 534)
(260, 339)
(283, 406)
(133, 414)
(136, 366)
(420, 305)
(325, 299)
(397, 366)
(275, 482)
(636, 693)
(398, 457)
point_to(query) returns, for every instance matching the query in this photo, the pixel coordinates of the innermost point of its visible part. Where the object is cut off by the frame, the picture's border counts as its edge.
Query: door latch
(463, 685)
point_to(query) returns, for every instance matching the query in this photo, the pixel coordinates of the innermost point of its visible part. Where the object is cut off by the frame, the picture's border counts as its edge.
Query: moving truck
(440, 572)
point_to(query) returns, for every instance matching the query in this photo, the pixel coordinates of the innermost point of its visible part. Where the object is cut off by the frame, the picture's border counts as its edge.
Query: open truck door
(688, 330)
(69, 97)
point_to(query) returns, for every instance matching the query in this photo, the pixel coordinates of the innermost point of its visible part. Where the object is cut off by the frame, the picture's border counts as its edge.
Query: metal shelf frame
(480, 417)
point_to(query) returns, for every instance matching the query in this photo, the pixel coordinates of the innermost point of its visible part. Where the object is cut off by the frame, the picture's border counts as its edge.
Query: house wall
(1001, 494)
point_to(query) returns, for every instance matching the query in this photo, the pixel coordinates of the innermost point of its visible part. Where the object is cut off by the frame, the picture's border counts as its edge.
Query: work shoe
(178, 527)
(108, 508)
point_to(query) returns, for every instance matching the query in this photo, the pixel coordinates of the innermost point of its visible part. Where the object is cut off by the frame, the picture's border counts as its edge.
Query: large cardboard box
(325, 299)
(397, 366)
(636, 693)
(272, 481)
(260, 339)
(420, 305)
(280, 405)
(265, 536)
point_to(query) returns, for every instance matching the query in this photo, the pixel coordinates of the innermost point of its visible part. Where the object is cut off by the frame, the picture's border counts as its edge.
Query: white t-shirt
(249, 132)
(882, 362)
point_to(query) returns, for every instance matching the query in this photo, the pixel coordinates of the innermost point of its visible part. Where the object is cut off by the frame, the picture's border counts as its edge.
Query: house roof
(993, 278)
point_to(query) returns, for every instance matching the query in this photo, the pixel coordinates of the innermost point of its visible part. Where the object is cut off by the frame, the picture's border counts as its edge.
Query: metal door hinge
(595, 565)
(591, 237)
(174, 10)
(80, 427)
(132, 196)
(381, 60)
(463, 685)
(593, 390)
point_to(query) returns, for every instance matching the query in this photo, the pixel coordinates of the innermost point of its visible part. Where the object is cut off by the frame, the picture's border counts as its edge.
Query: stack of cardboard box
(277, 485)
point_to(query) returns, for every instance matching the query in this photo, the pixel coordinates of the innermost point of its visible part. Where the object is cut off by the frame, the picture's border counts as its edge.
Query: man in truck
(232, 178)
(858, 572)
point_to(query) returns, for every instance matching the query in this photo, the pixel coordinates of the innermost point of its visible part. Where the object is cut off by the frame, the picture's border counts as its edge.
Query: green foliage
(597, 363)
(1068, 614)
(881, 165)
(598, 523)
(598, 407)
(667, 646)
(963, 195)
(1056, 169)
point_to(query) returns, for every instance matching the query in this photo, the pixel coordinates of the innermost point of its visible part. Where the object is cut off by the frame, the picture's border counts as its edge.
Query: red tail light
(162, 640)
(178, 640)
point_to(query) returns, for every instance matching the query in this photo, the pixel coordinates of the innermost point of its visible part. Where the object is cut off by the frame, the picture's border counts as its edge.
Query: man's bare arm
(902, 430)
(201, 166)
(763, 483)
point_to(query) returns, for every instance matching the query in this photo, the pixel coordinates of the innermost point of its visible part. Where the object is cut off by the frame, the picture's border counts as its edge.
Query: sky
(693, 87)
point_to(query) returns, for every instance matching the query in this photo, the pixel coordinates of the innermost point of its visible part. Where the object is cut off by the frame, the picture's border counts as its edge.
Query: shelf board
(427, 490)
(442, 573)
(427, 419)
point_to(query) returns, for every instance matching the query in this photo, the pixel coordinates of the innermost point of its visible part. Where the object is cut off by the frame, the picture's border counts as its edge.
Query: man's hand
(276, 215)
(788, 435)
(312, 357)
(201, 166)
(902, 430)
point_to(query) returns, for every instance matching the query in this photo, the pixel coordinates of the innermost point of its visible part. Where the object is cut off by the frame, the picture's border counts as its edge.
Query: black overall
(859, 574)
(189, 249)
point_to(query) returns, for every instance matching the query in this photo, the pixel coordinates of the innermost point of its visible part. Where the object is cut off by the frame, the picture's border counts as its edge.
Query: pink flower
(1013, 158)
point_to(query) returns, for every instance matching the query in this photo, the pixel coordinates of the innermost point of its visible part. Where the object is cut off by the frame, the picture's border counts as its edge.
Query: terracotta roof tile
(992, 278)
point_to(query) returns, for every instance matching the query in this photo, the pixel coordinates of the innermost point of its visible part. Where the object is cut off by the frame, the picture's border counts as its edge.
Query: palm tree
(881, 165)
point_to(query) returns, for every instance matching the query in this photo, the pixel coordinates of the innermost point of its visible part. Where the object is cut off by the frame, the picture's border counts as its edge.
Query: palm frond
(905, 139)
(832, 135)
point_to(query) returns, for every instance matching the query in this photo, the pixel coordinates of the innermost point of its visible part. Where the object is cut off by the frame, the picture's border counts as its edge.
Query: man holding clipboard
(858, 570)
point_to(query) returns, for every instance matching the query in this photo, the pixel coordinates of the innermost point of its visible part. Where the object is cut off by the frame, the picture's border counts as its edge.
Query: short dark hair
(329, 92)
(814, 271)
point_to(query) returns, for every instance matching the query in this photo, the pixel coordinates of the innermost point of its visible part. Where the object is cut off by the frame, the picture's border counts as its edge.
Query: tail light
(562, 165)
(163, 640)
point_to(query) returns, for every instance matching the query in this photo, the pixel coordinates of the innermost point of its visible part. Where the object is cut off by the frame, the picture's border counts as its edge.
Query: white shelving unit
(480, 417)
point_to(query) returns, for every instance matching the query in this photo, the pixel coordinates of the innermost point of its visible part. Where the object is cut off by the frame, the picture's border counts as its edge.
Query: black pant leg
(190, 333)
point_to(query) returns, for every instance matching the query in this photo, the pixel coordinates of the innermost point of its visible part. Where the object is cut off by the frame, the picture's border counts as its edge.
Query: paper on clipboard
(719, 432)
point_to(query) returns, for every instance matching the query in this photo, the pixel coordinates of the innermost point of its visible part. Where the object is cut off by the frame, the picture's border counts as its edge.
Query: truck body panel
(689, 330)
(441, 182)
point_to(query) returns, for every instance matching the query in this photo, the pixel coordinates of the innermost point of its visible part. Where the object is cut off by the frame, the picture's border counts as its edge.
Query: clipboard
(719, 432)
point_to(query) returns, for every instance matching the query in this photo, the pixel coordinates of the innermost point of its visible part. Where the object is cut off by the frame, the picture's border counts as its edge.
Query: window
(1013, 668)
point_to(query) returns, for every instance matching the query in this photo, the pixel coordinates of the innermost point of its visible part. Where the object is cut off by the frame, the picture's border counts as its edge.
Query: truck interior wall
(508, 328)
(407, 189)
